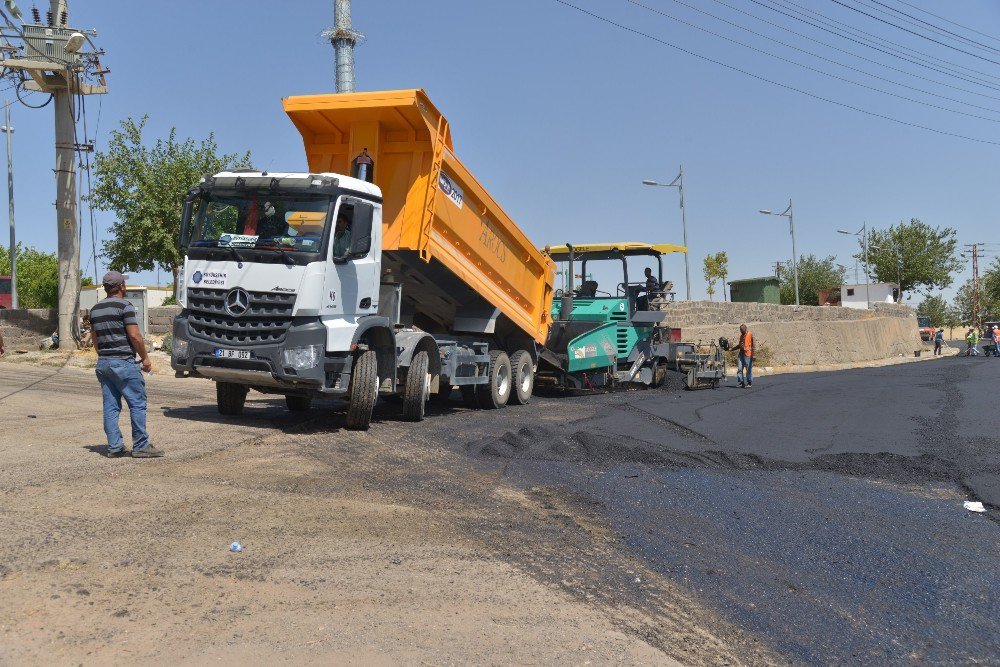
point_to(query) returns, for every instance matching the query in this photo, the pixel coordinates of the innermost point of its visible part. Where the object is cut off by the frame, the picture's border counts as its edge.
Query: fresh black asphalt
(820, 512)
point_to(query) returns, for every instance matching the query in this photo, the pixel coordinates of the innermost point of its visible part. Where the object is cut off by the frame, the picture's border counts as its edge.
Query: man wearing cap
(117, 338)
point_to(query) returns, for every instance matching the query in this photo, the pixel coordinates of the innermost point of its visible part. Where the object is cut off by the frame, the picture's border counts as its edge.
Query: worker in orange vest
(744, 357)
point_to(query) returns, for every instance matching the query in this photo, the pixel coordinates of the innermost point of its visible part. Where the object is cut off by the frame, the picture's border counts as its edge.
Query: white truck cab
(280, 290)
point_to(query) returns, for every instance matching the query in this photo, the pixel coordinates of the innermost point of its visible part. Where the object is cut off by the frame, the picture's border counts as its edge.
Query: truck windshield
(260, 220)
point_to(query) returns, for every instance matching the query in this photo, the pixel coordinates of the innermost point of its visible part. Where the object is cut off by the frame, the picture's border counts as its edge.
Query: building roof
(754, 280)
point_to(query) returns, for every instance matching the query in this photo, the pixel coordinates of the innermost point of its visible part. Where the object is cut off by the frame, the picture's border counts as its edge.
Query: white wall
(879, 292)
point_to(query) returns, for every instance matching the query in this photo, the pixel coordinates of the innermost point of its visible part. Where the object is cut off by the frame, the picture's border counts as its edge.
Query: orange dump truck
(387, 268)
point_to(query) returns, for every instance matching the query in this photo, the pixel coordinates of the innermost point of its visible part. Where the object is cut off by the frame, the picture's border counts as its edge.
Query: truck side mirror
(361, 233)
(186, 221)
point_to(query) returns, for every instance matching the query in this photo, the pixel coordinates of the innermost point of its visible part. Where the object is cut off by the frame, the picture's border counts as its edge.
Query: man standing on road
(996, 341)
(938, 341)
(117, 338)
(744, 357)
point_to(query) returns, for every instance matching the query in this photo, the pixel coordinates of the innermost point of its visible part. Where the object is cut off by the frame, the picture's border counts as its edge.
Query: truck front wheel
(418, 387)
(494, 394)
(230, 397)
(364, 391)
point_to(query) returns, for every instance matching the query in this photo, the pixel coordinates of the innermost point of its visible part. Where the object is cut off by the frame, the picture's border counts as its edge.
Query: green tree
(37, 276)
(934, 307)
(815, 274)
(917, 256)
(716, 267)
(145, 187)
(990, 286)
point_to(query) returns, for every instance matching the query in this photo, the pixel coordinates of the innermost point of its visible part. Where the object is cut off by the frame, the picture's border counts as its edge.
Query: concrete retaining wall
(26, 327)
(161, 319)
(793, 335)
(804, 335)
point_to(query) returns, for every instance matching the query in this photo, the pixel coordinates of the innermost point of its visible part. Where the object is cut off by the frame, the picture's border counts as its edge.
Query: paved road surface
(813, 518)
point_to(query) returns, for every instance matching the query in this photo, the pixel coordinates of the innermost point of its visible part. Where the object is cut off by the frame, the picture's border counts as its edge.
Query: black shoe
(147, 452)
(741, 385)
(749, 384)
(117, 454)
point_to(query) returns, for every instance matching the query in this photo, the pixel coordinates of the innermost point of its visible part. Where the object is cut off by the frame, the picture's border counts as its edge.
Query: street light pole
(8, 129)
(679, 184)
(863, 233)
(787, 213)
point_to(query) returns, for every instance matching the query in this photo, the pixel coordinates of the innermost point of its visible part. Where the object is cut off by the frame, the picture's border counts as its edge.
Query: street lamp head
(649, 182)
(766, 212)
(844, 231)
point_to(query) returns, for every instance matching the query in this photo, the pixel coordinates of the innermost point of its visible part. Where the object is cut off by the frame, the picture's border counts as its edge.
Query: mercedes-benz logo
(237, 302)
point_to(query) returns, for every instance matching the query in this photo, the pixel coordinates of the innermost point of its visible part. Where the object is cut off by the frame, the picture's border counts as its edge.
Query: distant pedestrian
(996, 341)
(972, 339)
(118, 340)
(938, 341)
(2, 350)
(744, 357)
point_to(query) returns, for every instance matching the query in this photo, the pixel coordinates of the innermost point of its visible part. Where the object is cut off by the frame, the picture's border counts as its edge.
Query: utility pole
(8, 129)
(976, 320)
(54, 65)
(343, 37)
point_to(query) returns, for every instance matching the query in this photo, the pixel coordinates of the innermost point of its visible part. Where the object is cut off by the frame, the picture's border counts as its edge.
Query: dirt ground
(374, 548)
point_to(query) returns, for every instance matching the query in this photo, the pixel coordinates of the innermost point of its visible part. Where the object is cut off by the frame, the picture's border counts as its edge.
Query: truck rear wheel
(298, 403)
(495, 393)
(418, 388)
(523, 373)
(364, 391)
(230, 397)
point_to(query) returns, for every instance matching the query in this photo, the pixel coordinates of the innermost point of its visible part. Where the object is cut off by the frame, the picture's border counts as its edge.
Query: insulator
(36, 15)
(63, 18)
(48, 16)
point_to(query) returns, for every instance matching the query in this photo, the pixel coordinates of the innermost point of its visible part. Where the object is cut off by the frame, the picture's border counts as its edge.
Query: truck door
(355, 255)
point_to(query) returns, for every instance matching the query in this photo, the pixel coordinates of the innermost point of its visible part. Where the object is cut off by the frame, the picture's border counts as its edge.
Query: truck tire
(364, 391)
(523, 375)
(418, 388)
(298, 403)
(230, 397)
(495, 393)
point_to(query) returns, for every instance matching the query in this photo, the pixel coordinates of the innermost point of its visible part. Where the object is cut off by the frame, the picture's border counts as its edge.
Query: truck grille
(265, 322)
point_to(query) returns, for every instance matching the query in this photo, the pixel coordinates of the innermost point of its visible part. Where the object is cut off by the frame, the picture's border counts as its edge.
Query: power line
(937, 16)
(820, 57)
(813, 69)
(771, 81)
(913, 32)
(917, 22)
(856, 55)
(872, 41)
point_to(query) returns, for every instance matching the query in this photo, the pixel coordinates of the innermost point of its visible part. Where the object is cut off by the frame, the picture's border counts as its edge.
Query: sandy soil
(357, 549)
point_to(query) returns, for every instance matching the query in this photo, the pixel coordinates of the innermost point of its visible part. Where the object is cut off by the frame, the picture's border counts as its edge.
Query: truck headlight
(180, 348)
(303, 358)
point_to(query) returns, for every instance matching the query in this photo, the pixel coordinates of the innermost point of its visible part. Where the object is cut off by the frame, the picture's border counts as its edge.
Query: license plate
(223, 353)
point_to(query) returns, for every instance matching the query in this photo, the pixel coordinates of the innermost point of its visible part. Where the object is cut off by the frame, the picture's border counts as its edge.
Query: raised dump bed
(464, 265)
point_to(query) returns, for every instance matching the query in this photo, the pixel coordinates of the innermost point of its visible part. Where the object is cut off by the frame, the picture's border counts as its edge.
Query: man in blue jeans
(117, 338)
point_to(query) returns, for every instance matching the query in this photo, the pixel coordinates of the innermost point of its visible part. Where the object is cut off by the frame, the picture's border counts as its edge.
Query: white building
(858, 296)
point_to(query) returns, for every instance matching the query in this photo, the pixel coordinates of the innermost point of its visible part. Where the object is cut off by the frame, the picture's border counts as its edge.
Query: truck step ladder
(433, 185)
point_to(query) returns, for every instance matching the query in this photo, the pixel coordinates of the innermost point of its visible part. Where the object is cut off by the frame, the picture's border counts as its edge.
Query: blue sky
(561, 116)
